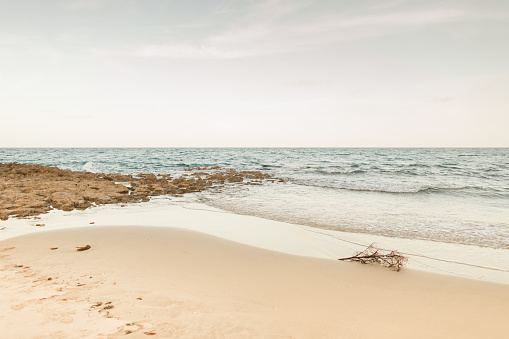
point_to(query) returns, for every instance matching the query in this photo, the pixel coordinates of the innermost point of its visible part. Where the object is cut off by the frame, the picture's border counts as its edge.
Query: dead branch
(373, 255)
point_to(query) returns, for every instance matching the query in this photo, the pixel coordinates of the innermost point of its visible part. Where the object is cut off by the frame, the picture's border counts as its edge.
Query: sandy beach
(172, 267)
(254, 169)
(170, 282)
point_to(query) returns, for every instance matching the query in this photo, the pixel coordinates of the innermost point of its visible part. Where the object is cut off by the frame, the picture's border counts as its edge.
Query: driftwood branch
(373, 255)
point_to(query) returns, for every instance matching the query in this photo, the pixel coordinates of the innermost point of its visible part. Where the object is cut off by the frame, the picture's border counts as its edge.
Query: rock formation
(30, 190)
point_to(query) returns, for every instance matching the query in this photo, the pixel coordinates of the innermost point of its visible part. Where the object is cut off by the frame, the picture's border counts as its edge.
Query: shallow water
(445, 195)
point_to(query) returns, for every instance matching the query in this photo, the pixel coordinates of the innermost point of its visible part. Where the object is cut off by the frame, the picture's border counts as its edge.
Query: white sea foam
(89, 167)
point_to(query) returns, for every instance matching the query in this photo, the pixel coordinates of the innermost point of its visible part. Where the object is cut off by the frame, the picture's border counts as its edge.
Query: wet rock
(28, 190)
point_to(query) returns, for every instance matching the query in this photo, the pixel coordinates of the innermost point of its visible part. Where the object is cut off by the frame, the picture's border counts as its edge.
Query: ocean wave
(450, 166)
(89, 166)
(345, 171)
(386, 189)
(418, 165)
(403, 190)
(403, 171)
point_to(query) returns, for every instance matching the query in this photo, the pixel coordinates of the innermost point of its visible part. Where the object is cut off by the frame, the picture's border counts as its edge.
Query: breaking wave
(386, 189)
(89, 166)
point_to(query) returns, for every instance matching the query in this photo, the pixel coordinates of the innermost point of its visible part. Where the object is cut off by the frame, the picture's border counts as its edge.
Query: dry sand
(169, 282)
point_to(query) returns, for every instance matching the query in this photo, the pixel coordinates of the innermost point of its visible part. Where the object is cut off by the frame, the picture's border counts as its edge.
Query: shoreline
(175, 267)
(288, 238)
(174, 282)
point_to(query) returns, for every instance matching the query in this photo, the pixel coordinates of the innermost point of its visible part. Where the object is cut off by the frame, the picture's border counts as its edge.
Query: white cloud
(403, 18)
(187, 50)
(267, 29)
(11, 39)
(92, 4)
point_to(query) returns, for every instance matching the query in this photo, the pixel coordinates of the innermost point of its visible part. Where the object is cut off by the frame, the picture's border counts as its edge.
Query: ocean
(445, 195)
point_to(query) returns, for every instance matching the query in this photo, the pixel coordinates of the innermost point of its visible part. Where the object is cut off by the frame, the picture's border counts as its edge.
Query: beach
(254, 169)
(170, 266)
(171, 282)
(204, 273)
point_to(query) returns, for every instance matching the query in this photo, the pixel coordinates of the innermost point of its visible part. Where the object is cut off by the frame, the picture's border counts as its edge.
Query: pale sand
(274, 235)
(184, 284)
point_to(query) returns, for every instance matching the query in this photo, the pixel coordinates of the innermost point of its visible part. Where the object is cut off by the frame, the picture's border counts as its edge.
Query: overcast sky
(174, 73)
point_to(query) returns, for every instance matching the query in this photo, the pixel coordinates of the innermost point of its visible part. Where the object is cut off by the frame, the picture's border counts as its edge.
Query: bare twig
(372, 255)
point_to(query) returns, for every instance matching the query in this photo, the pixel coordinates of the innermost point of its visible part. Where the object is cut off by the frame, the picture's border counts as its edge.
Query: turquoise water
(445, 195)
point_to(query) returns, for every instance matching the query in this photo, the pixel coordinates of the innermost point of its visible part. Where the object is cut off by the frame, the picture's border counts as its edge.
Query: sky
(254, 73)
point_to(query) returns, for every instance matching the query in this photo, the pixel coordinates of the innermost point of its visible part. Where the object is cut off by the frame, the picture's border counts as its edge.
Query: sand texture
(176, 283)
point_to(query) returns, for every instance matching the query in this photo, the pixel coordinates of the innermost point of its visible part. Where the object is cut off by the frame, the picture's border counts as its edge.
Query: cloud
(403, 19)
(270, 27)
(15, 40)
(188, 50)
(92, 4)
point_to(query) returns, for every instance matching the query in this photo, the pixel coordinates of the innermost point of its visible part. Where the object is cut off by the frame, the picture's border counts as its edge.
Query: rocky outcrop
(29, 190)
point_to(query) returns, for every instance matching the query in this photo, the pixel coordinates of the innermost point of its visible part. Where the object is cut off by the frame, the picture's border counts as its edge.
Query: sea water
(440, 194)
